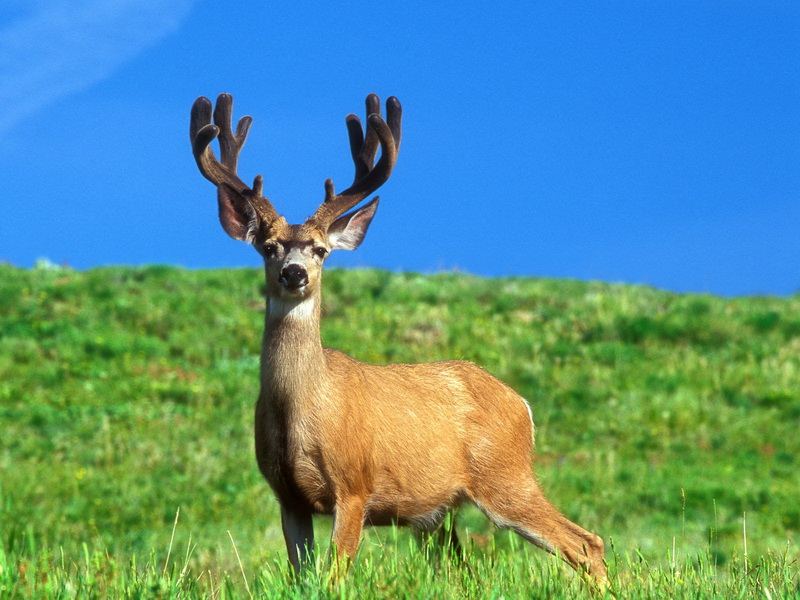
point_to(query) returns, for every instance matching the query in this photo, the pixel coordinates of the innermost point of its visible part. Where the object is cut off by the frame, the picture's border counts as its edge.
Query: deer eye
(320, 252)
(270, 249)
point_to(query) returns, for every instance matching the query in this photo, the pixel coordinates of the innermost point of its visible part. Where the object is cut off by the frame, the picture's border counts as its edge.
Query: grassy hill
(665, 423)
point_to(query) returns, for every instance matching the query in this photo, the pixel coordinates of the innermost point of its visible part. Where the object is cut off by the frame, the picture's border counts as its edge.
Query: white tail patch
(530, 414)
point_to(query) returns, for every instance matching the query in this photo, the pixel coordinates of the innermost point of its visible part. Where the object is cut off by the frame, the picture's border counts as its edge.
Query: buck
(370, 445)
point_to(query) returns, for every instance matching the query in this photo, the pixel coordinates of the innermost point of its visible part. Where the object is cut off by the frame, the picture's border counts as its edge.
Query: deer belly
(420, 498)
(425, 513)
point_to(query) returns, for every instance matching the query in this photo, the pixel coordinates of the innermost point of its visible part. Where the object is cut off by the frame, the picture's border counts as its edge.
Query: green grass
(127, 393)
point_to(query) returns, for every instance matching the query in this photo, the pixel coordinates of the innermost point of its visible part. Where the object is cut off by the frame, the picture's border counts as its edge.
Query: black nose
(294, 276)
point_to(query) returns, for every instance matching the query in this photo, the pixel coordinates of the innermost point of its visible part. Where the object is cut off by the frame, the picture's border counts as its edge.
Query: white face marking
(297, 263)
(294, 257)
(292, 308)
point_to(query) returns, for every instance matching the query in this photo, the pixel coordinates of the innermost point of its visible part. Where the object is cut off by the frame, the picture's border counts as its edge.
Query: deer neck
(292, 360)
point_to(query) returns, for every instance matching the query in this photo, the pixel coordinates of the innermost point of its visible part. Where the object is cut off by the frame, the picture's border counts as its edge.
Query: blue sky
(647, 142)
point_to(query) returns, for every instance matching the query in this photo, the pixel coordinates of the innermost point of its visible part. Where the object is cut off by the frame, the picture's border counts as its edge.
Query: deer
(369, 444)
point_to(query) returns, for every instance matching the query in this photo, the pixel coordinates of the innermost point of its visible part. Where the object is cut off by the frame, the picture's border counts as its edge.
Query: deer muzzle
(293, 276)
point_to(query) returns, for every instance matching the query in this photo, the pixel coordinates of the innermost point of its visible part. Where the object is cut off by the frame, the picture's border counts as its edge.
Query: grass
(665, 422)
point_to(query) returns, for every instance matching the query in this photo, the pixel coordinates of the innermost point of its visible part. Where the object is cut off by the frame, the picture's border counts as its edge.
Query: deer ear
(236, 214)
(348, 231)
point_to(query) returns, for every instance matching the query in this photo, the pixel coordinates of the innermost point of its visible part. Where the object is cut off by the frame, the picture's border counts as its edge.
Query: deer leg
(448, 538)
(298, 533)
(525, 509)
(443, 537)
(348, 521)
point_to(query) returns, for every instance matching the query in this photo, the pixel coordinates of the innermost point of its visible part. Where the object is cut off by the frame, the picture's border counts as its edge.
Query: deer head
(294, 254)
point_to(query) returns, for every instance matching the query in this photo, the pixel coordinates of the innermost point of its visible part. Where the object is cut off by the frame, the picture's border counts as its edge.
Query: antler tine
(363, 149)
(202, 132)
(394, 117)
(201, 116)
(230, 144)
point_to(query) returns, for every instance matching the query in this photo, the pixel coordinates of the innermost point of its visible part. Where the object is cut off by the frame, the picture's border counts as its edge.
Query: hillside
(126, 393)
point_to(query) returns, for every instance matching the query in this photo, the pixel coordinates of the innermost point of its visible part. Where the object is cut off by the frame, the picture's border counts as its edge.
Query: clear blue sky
(651, 142)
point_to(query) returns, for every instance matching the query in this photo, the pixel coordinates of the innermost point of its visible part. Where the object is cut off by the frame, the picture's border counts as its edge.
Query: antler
(363, 149)
(202, 133)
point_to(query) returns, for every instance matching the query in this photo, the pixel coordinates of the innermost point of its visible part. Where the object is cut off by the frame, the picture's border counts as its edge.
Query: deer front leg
(348, 521)
(298, 533)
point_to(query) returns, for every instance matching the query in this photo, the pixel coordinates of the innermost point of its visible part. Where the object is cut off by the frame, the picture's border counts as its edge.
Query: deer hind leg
(523, 508)
(438, 539)
(448, 538)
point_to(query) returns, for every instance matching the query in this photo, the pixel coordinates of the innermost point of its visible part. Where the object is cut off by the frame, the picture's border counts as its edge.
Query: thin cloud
(61, 47)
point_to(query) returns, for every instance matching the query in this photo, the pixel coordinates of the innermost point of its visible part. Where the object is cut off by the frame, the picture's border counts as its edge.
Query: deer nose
(293, 276)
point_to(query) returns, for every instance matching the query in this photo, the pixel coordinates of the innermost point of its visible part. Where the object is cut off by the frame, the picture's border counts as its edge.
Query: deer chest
(291, 463)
